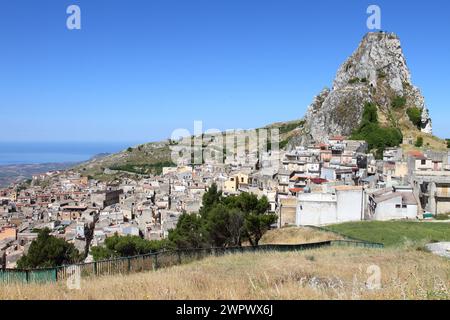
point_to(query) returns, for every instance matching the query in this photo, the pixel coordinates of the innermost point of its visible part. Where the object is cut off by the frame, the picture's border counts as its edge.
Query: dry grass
(332, 273)
(295, 235)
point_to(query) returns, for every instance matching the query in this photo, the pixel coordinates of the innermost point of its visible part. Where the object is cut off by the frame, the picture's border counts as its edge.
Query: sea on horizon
(12, 153)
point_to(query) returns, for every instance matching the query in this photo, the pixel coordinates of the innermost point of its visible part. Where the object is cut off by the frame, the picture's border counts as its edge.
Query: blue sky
(138, 69)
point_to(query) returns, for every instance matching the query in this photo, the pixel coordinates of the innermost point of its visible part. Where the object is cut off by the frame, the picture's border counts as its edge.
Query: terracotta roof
(318, 180)
(416, 153)
(337, 138)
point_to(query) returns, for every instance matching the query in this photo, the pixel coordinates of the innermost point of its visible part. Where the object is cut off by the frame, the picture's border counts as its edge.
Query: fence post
(27, 279)
(155, 261)
(179, 256)
(95, 267)
(3, 261)
(129, 264)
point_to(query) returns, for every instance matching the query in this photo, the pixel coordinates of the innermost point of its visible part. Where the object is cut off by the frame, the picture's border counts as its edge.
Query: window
(404, 206)
(398, 206)
(423, 162)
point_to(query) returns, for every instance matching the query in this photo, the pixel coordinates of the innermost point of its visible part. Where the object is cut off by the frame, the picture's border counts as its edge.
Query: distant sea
(12, 153)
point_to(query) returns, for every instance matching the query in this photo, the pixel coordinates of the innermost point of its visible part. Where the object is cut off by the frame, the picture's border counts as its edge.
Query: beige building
(235, 181)
(287, 211)
(8, 233)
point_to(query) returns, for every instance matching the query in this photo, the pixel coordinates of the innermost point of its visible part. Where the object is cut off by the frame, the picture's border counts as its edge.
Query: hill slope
(333, 273)
(375, 73)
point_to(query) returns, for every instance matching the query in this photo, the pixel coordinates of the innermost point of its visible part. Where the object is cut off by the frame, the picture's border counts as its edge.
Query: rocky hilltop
(375, 73)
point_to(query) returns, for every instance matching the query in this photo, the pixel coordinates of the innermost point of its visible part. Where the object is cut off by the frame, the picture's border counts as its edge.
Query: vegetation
(376, 136)
(190, 232)
(353, 81)
(153, 168)
(130, 149)
(48, 251)
(224, 221)
(444, 216)
(296, 235)
(398, 102)
(288, 127)
(331, 273)
(284, 143)
(448, 143)
(394, 233)
(415, 115)
(381, 74)
(419, 142)
(119, 246)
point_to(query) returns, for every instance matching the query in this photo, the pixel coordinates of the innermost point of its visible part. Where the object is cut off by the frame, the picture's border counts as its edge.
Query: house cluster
(319, 184)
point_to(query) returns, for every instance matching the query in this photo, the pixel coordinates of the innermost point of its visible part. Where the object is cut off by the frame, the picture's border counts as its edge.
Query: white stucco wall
(349, 205)
(387, 210)
(318, 209)
(443, 206)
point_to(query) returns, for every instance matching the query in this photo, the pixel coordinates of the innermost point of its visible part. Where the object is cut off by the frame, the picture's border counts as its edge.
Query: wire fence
(154, 261)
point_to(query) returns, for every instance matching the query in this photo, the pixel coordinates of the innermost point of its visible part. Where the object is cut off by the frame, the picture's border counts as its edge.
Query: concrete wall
(388, 210)
(288, 211)
(443, 206)
(326, 208)
(349, 205)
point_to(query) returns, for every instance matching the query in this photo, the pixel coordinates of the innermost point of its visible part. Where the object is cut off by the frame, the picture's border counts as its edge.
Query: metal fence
(154, 261)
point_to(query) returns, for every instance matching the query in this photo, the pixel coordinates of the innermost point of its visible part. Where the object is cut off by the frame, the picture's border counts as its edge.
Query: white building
(392, 204)
(343, 204)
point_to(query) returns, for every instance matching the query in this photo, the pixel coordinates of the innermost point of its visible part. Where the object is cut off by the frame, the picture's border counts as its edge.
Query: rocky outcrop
(376, 72)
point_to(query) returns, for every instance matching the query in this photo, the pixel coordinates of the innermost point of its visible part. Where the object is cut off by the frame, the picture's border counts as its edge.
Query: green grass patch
(398, 102)
(394, 233)
(154, 168)
(285, 128)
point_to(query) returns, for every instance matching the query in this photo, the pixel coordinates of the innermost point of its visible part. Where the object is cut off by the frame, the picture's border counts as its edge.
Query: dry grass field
(331, 273)
(294, 235)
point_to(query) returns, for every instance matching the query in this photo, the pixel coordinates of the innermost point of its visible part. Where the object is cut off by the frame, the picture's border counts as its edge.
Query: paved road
(440, 248)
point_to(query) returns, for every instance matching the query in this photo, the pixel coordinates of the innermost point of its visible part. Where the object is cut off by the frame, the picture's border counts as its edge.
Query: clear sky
(138, 69)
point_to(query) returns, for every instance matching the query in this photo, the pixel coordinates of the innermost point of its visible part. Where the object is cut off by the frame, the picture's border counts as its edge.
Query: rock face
(376, 72)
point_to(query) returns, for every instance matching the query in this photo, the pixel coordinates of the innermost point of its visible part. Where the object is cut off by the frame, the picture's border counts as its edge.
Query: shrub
(153, 168)
(419, 142)
(48, 251)
(415, 115)
(398, 102)
(127, 246)
(285, 128)
(448, 143)
(376, 137)
(353, 80)
(381, 74)
(130, 149)
(283, 144)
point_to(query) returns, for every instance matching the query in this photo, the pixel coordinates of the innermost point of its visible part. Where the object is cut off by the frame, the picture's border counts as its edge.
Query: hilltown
(321, 184)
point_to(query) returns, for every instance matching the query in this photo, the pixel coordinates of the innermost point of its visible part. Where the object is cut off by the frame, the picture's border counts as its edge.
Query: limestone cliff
(376, 72)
